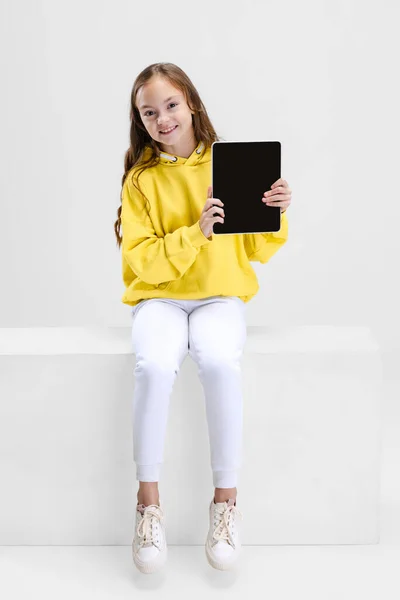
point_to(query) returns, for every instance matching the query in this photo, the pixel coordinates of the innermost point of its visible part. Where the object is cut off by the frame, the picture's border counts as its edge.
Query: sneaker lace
(147, 529)
(224, 520)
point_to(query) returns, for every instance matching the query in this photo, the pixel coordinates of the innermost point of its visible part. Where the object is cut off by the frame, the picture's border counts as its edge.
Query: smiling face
(162, 107)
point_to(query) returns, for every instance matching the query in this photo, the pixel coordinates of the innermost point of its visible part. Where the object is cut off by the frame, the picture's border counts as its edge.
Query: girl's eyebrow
(167, 100)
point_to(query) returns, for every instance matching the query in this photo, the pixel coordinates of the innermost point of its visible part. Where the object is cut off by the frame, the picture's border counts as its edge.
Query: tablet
(241, 173)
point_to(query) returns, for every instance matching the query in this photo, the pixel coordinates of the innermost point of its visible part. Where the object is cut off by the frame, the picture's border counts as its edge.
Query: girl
(188, 292)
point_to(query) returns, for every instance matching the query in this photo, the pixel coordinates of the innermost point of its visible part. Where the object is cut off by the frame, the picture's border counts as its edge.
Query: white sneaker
(149, 546)
(223, 545)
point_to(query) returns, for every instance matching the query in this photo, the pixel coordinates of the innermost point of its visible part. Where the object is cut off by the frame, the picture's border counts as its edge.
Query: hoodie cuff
(196, 236)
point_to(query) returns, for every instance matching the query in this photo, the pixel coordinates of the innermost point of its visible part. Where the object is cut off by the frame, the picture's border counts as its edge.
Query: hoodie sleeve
(155, 259)
(260, 247)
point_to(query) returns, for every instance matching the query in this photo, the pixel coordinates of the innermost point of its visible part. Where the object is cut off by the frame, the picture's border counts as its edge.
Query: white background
(319, 76)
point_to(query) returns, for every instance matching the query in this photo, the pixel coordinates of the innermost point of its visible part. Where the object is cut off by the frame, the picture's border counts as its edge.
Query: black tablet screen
(241, 173)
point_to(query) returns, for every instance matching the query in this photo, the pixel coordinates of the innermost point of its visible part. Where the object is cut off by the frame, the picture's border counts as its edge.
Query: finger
(278, 190)
(281, 205)
(280, 181)
(209, 191)
(277, 198)
(283, 202)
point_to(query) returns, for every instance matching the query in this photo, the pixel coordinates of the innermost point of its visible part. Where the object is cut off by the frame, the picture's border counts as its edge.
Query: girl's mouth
(168, 132)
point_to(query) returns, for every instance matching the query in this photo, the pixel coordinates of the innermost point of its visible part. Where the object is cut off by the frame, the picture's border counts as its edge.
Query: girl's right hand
(207, 218)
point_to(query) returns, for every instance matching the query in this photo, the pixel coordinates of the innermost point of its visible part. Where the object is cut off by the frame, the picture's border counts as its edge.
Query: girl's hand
(280, 195)
(210, 213)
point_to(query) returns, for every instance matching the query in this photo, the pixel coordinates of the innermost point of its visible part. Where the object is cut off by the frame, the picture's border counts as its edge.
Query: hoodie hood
(199, 155)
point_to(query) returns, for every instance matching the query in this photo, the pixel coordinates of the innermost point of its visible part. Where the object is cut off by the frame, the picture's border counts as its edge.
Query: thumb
(209, 191)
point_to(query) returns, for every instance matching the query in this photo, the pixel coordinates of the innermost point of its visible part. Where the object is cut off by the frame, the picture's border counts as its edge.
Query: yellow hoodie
(165, 253)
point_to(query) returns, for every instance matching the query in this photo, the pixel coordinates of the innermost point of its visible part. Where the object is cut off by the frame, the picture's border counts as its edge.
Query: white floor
(275, 572)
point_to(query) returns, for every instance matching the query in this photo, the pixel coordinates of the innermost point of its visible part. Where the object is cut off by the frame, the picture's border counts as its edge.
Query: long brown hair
(139, 136)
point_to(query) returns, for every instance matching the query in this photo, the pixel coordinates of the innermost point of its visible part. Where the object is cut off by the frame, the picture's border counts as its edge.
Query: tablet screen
(241, 173)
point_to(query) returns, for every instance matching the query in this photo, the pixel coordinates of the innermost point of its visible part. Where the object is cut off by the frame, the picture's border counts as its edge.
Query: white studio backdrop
(318, 76)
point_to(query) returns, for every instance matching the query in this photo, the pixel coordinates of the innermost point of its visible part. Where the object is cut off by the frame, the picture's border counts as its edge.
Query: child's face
(160, 115)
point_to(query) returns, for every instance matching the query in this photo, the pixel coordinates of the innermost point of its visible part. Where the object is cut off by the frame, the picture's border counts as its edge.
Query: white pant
(213, 331)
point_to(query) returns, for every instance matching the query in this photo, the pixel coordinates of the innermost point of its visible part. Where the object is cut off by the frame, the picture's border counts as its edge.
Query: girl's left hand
(280, 195)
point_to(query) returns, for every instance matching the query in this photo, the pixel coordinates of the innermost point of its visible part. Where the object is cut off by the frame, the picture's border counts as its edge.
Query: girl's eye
(146, 113)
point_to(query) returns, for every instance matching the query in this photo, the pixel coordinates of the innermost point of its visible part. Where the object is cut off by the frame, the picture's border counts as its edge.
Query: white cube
(311, 439)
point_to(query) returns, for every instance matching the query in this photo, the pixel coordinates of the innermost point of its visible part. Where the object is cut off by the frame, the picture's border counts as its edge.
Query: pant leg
(160, 342)
(217, 334)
